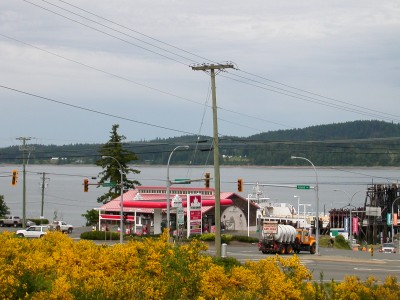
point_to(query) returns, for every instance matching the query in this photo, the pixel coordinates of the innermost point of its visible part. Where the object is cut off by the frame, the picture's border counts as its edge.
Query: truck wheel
(1, 224)
(312, 249)
(58, 228)
(69, 230)
(20, 235)
(282, 249)
(289, 249)
(15, 224)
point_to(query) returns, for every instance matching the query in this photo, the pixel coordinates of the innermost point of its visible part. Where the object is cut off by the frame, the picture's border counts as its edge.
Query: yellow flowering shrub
(56, 267)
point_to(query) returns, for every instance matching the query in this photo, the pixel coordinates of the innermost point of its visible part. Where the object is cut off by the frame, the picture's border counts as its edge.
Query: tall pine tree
(111, 166)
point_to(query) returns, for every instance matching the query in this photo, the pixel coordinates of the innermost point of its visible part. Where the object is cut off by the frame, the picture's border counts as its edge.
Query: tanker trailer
(277, 238)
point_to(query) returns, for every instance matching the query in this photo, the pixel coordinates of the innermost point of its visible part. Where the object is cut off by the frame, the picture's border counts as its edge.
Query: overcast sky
(71, 69)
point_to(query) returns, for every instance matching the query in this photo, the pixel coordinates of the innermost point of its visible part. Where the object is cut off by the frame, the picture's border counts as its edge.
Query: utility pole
(43, 187)
(212, 68)
(24, 148)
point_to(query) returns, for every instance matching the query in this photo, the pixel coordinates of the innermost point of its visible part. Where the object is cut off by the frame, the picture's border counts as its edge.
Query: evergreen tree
(4, 210)
(115, 157)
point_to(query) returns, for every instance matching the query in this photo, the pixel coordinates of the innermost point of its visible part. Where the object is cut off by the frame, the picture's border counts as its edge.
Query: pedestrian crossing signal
(14, 177)
(240, 185)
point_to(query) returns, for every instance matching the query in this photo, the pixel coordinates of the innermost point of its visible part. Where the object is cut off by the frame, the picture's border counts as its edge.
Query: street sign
(182, 181)
(303, 187)
(180, 215)
(109, 184)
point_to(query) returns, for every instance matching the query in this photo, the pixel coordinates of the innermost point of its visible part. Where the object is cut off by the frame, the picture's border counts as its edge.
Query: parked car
(36, 231)
(387, 248)
(30, 223)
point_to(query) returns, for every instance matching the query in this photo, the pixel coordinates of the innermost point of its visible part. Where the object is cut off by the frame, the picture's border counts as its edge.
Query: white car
(33, 231)
(388, 248)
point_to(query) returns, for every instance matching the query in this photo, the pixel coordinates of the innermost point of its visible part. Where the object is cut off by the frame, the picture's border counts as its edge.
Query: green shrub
(227, 262)
(245, 239)
(208, 237)
(100, 235)
(341, 243)
(40, 221)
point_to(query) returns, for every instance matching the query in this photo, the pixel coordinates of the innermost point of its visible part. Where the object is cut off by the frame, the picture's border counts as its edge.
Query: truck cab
(304, 241)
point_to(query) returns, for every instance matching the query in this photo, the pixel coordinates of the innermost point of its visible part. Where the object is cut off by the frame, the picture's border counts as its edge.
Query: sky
(71, 69)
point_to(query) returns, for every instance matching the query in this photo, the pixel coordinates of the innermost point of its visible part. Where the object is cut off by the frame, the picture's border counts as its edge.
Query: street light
(121, 224)
(392, 218)
(317, 201)
(169, 185)
(298, 207)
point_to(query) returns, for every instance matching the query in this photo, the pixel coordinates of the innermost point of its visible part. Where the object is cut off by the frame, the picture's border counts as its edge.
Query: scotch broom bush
(56, 267)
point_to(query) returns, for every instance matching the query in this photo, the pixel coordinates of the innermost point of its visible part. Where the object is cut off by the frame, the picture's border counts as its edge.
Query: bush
(100, 235)
(245, 239)
(57, 267)
(227, 262)
(341, 243)
(40, 221)
(208, 237)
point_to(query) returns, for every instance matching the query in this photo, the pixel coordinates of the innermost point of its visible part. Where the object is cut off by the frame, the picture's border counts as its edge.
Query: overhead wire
(167, 57)
(198, 56)
(93, 110)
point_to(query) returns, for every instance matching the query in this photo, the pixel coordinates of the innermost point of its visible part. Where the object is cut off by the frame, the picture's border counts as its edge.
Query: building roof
(158, 194)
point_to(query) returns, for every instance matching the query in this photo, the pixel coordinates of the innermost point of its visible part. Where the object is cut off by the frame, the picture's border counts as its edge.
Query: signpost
(182, 181)
(109, 184)
(303, 187)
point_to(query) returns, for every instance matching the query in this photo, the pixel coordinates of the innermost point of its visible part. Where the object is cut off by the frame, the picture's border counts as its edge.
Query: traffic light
(207, 180)
(240, 185)
(86, 185)
(14, 177)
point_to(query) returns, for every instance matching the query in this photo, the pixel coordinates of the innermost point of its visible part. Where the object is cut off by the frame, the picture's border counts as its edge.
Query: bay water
(64, 198)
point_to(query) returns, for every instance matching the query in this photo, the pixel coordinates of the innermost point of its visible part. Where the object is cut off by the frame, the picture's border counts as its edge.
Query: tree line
(357, 143)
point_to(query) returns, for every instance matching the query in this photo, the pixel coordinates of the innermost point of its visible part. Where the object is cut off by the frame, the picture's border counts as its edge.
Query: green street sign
(109, 184)
(303, 187)
(182, 181)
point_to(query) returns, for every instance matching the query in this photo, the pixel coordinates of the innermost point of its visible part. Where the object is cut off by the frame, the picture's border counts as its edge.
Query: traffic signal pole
(212, 68)
(24, 148)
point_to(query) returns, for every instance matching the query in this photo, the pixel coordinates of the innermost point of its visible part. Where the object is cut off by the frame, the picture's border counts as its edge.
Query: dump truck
(285, 239)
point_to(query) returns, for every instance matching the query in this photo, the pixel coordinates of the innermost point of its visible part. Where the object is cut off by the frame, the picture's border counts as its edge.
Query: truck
(61, 226)
(11, 221)
(285, 239)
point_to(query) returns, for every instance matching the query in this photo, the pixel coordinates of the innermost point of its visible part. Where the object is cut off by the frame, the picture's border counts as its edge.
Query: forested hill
(358, 143)
(348, 130)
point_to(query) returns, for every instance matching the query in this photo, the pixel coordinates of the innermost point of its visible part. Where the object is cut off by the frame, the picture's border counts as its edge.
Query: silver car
(36, 231)
(388, 248)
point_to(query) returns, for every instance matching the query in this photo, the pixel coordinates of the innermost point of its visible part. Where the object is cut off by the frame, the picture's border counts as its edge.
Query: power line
(303, 97)
(93, 111)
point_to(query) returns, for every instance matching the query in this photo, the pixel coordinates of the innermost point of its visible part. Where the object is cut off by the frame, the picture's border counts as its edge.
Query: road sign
(109, 184)
(182, 181)
(180, 215)
(303, 187)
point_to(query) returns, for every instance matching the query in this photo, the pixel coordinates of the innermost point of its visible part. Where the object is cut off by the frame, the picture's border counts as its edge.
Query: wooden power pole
(212, 68)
